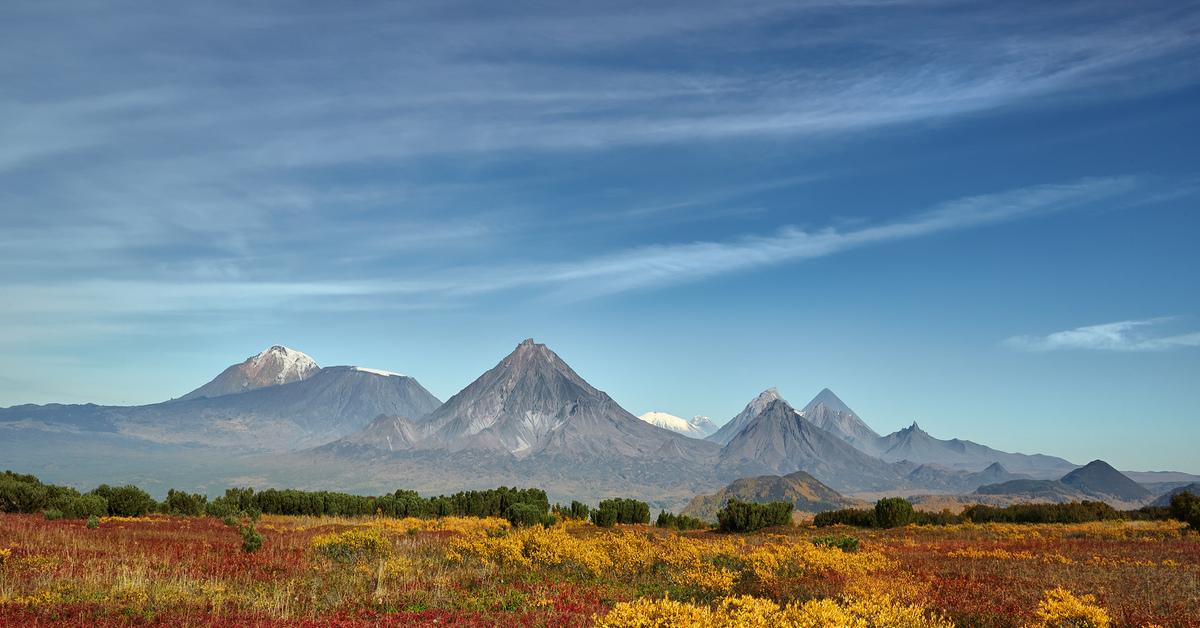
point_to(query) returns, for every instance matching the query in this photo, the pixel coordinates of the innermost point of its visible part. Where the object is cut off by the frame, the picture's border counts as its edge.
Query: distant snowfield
(377, 372)
(673, 423)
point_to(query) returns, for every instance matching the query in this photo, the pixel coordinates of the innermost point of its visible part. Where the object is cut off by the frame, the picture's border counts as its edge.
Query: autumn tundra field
(377, 570)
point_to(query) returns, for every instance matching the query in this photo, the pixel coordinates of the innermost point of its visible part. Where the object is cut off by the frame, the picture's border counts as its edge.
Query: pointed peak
(769, 394)
(830, 401)
(528, 342)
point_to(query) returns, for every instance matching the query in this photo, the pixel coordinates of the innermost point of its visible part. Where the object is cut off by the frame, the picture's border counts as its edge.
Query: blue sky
(978, 216)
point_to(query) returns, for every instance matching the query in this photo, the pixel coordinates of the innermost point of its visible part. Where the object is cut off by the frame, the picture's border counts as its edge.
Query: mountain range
(530, 420)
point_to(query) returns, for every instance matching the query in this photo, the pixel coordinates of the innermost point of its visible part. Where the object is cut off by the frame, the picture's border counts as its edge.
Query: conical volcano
(781, 440)
(532, 404)
(275, 366)
(748, 414)
(831, 414)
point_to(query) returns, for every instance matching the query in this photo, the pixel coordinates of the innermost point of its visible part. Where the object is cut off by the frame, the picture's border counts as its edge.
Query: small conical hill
(806, 492)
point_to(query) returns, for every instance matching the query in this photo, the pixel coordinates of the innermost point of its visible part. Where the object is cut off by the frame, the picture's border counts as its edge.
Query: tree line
(896, 511)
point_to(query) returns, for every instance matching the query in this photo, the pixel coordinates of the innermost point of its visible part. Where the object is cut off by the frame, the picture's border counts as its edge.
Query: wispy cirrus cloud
(641, 268)
(1120, 336)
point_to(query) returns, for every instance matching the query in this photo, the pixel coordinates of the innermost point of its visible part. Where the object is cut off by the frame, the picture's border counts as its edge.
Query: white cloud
(1122, 336)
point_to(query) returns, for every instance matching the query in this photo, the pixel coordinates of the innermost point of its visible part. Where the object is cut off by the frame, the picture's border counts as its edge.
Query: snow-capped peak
(286, 363)
(673, 423)
(377, 372)
(669, 421)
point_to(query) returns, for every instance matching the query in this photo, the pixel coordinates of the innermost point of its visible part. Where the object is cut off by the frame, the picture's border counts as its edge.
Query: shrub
(22, 493)
(124, 501)
(679, 522)
(849, 517)
(740, 516)
(604, 518)
(844, 542)
(523, 515)
(81, 506)
(893, 512)
(549, 521)
(93, 522)
(1185, 507)
(1060, 609)
(352, 546)
(943, 518)
(252, 541)
(1073, 512)
(623, 511)
(184, 504)
(579, 511)
(52, 514)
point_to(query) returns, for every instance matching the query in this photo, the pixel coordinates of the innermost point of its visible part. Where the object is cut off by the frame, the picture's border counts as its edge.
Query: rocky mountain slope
(738, 423)
(829, 413)
(323, 406)
(277, 365)
(781, 441)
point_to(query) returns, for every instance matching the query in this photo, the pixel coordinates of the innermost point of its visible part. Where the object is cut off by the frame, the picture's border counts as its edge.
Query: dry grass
(172, 571)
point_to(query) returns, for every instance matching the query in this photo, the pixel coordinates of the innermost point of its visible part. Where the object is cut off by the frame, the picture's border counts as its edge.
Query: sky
(977, 216)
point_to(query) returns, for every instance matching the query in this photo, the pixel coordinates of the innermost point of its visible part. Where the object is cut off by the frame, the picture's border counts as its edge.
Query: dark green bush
(893, 512)
(124, 501)
(848, 517)
(622, 511)
(549, 521)
(579, 511)
(93, 522)
(184, 504)
(20, 493)
(604, 518)
(252, 541)
(1148, 513)
(1073, 512)
(679, 522)
(81, 506)
(52, 514)
(740, 516)
(943, 518)
(844, 542)
(1185, 507)
(523, 515)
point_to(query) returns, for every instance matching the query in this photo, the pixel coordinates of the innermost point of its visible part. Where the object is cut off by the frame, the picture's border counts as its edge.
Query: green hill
(799, 488)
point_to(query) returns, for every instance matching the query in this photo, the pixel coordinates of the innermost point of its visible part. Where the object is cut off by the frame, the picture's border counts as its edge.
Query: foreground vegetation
(378, 570)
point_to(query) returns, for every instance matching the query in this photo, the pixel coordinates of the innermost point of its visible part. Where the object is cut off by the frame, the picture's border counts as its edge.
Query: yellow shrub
(750, 612)
(646, 613)
(4, 554)
(352, 545)
(1061, 609)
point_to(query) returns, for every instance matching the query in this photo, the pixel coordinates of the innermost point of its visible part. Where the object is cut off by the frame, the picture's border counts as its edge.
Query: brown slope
(799, 488)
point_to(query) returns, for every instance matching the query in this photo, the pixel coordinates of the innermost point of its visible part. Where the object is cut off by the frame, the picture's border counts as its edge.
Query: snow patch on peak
(376, 372)
(288, 364)
(662, 419)
(673, 423)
